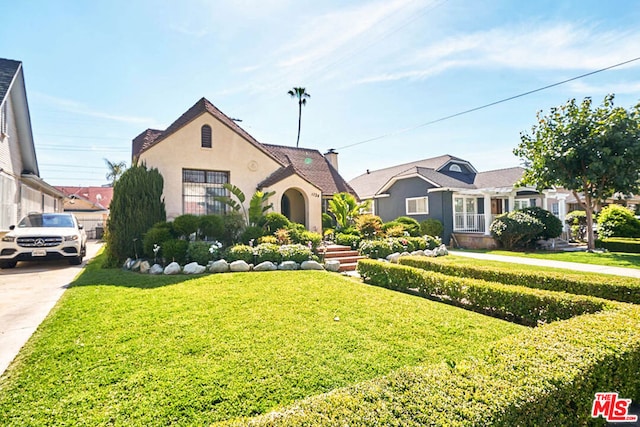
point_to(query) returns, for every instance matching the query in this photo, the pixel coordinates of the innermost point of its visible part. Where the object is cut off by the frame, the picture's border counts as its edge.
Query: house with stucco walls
(204, 149)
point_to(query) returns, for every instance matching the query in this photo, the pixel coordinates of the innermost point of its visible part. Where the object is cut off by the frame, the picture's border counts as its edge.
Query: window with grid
(3, 120)
(205, 136)
(199, 190)
(417, 205)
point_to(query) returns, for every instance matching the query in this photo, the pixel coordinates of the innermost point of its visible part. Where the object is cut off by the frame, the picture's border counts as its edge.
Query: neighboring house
(448, 189)
(90, 205)
(204, 149)
(22, 191)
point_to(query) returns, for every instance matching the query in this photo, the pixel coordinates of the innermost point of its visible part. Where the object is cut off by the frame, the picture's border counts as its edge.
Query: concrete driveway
(27, 294)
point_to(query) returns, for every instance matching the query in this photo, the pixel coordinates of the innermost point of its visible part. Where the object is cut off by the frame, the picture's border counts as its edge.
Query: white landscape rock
(311, 265)
(173, 268)
(220, 266)
(135, 266)
(194, 268)
(265, 266)
(394, 257)
(156, 269)
(332, 265)
(144, 267)
(419, 252)
(441, 251)
(127, 264)
(288, 265)
(239, 266)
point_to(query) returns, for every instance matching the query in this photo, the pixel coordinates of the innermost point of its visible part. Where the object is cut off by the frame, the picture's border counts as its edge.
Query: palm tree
(115, 170)
(301, 94)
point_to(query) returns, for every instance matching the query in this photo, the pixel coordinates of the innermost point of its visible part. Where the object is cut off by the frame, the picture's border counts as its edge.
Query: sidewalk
(590, 268)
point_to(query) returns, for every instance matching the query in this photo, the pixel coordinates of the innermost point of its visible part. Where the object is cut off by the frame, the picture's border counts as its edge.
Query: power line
(491, 104)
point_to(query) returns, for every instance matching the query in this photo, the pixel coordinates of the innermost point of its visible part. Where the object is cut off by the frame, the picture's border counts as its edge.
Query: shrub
(518, 303)
(617, 221)
(624, 289)
(552, 226)
(233, 223)
(295, 232)
(369, 226)
(175, 250)
(157, 235)
(211, 227)
(250, 235)
(309, 236)
(240, 252)
(393, 229)
(577, 220)
(433, 242)
(296, 252)
(620, 244)
(431, 227)
(327, 221)
(273, 221)
(282, 236)
(375, 249)
(410, 225)
(515, 228)
(268, 239)
(352, 240)
(199, 252)
(136, 206)
(267, 252)
(185, 225)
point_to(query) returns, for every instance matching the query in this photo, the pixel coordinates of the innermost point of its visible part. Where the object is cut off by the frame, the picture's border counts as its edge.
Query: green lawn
(126, 349)
(608, 258)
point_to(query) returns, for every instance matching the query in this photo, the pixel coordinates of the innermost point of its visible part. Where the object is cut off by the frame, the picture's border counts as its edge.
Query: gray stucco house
(448, 189)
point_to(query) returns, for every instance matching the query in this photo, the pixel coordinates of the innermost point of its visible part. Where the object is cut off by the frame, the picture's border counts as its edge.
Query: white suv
(44, 236)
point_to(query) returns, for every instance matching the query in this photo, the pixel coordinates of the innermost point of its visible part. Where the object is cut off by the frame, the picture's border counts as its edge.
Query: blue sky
(98, 73)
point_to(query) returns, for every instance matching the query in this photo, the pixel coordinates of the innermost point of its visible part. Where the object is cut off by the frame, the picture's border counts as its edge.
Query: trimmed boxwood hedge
(625, 289)
(543, 376)
(516, 303)
(620, 244)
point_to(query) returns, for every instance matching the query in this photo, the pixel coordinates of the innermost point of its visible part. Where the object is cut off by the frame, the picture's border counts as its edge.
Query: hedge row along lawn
(127, 349)
(617, 288)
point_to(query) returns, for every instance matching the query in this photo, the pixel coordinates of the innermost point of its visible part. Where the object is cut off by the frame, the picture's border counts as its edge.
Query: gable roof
(8, 70)
(310, 165)
(151, 137)
(376, 182)
(370, 182)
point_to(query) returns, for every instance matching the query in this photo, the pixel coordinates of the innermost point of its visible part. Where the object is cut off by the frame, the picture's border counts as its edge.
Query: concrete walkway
(27, 294)
(590, 268)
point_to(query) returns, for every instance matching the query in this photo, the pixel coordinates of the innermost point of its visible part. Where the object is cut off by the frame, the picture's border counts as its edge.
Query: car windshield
(46, 220)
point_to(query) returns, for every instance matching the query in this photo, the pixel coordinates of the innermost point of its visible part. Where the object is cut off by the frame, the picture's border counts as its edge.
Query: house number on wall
(315, 195)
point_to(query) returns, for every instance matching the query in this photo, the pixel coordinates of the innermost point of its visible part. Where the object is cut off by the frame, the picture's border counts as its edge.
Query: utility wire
(441, 119)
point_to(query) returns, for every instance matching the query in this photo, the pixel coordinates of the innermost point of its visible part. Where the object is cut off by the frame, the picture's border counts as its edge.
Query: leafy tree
(345, 208)
(116, 169)
(591, 152)
(301, 95)
(136, 206)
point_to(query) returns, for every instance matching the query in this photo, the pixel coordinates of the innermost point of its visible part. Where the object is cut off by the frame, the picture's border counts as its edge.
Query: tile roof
(151, 137)
(311, 165)
(498, 178)
(99, 197)
(8, 70)
(368, 184)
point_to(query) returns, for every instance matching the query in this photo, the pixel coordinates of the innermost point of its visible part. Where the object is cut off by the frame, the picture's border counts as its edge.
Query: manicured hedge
(543, 376)
(620, 244)
(625, 289)
(516, 303)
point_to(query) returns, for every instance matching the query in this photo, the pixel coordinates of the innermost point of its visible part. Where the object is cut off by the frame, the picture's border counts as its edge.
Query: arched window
(455, 168)
(205, 134)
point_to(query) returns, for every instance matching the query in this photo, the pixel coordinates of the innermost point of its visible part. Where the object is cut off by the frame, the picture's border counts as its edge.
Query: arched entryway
(294, 206)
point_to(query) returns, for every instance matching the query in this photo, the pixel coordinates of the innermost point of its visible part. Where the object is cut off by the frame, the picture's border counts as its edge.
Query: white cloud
(567, 46)
(617, 88)
(76, 107)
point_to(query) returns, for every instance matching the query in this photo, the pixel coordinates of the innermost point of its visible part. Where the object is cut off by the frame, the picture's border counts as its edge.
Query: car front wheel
(8, 264)
(76, 260)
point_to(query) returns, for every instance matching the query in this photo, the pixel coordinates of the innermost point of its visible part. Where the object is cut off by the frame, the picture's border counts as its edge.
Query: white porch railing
(468, 223)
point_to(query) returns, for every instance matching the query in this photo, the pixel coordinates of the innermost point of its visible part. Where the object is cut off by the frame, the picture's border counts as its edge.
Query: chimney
(332, 157)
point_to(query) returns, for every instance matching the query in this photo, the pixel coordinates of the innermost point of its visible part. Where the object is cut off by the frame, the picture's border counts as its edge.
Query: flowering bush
(240, 252)
(215, 249)
(352, 240)
(296, 252)
(267, 252)
(198, 251)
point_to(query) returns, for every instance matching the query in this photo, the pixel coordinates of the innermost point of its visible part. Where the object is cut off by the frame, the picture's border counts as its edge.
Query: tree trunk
(299, 121)
(591, 238)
